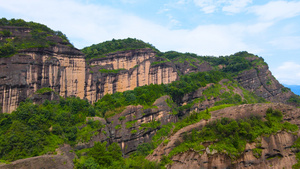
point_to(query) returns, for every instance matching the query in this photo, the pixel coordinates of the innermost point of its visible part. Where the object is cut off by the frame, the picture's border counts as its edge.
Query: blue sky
(270, 29)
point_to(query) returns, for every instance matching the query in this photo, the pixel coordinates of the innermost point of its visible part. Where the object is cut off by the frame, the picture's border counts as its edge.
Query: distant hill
(294, 88)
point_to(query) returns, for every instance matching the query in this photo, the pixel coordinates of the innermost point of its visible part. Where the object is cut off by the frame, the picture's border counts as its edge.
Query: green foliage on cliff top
(40, 36)
(231, 64)
(98, 50)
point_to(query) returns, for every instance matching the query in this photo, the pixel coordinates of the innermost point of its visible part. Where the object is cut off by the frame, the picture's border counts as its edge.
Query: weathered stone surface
(60, 68)
(276, 149)
(276, 153)
(120, 131)
(136, 70)
(262, 83)
(63, 160)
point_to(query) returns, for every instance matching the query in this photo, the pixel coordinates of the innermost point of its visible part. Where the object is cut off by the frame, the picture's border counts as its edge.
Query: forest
(40, 37)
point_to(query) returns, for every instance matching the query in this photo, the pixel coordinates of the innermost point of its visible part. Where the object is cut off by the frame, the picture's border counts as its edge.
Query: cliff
(59, 67)
(52, 62)
(260, 81)
(126, 70)
(64, 69)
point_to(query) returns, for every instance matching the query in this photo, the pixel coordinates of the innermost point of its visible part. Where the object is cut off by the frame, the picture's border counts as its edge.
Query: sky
(269, 29)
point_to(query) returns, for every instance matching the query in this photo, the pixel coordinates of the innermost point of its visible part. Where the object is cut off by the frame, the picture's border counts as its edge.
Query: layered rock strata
(60, 68)
(126, 70)
(261, 81)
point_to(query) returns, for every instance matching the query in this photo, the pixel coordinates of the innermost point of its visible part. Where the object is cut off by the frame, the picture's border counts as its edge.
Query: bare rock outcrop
(63, 160)
(127, 129)
(261, 81)
(276, 153)
(276, 149)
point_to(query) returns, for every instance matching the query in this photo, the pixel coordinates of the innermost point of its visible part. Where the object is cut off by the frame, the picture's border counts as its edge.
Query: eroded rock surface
(276, 149)
(126, 128)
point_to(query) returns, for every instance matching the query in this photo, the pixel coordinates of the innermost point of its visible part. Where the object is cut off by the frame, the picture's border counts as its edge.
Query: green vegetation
(151, 125)
(193, 118)
(130, 124)
(230, 136)
(297, 146)
(34, 130)
(110, 71)
(5, 33)
(110, 157)
(99, 50)
(133, 131)
(44, 90)
(285, 89)
(41, 37)
(232, 64)
(257, 152)
(146, 95)
(294, 100)
(159, 62)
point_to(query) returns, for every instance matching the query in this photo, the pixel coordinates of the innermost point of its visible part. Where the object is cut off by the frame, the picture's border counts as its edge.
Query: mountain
(64, 107)
(294, 88)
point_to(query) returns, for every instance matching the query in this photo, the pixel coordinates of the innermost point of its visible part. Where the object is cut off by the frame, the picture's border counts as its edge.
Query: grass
(159, 62)
(114, 71)
(130, 124)
(44, 90)
(257, 152)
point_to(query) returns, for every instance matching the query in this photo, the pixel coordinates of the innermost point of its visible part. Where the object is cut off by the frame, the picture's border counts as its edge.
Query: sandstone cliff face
(60, 68)
(65, 70)
(134, 68)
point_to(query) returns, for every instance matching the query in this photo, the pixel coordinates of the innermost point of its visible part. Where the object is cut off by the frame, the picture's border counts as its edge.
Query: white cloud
(288, 73)
(236, 6)
(287, 43)
(207, 6)
(277, 10)
(231, 6)
(87, 24)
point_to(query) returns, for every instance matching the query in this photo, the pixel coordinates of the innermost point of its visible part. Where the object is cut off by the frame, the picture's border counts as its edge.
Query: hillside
(294, 88)
(125, 104)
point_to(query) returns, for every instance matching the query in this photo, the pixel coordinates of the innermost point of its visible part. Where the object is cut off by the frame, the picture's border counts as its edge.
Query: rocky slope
(276, 149)
(133, 126)
(261, 82)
